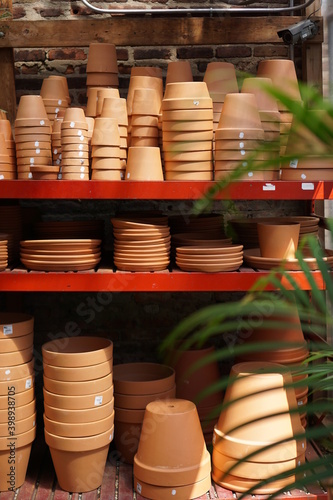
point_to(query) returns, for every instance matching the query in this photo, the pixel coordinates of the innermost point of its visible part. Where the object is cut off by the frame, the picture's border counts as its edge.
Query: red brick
(18, 12)
(195, 52)
(230, 51)
(30, 70)
(140, 54)
(271, 51)
(49, 12)
(69, 70)
(29, 55)
(122, 54)
(67, 53)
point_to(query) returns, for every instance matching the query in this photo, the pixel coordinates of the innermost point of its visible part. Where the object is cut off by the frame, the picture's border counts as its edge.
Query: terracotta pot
(30, 106)
(66, 402)
(102, 94)
(19, 399)
(283, 75)
(188, 176)
(144, 164)
(146, 102)
(278, 240)
(154, 71)
(134, 402)
(81, 388)
(102, 80)
(143, 378)
(171, 451)
(105, 132)
(179, 71)
(144, 132)
(54, 88)
(64, 82)
(78, 374)
(187, 126)
(79, 429)
(21, 412)
(195, 490)
(200, 136)
(17, 386)
(16, 357)
(6, 130)
(77, 351)
(185, 89)
(144, 142)
(128, 425)
(179, 166)
(257, 86)
(20, 449)
(190, 382)
(221, 76)
(79, 416)
(145, 82)
(254, 395)
(240, 111)
(17, 372)
(17, 426)
(114, 107)
(102, 57)
(15, 324)
(79, 462)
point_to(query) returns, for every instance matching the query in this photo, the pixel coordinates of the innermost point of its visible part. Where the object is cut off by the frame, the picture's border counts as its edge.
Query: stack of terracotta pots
(146, 107)
(141, 82)
(285, 330)
(283, 75)
(32, 138)
(95, 99)
(238, 138)
(172, 459)
(78, 409)
(55, 94)
(187, 125)
(3, 251)
(221, 80)
(115, 107)
(258, 413)
(306, 153)
(194, 376)
(179, 71)
(74, 145)
(7, 151)
(102, 66)
(144, 163)
(141, 243)
(136, 385)
(56, 142)
(11, 224)
(105, 152)
(17, 398)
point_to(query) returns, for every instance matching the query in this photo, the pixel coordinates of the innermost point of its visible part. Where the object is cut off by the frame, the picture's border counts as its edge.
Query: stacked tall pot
(78, 409)
(17, 398)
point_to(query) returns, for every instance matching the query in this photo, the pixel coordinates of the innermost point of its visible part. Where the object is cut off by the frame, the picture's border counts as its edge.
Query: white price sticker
(98, 400)
(7, 329)
(28, 383)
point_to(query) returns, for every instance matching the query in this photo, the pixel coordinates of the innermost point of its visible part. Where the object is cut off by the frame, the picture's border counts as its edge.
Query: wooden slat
(7, 82)
(143, 31)
(108, 485)
(125, 482)
(46, 479)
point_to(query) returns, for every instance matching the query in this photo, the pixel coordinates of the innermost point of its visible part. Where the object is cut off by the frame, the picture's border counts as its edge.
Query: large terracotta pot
(78, 402)
(21, 412)
(77, 351)
(172, 450)
(79, 416)
(78, 388)
(78, 373)
(78, 429)
(79, 462)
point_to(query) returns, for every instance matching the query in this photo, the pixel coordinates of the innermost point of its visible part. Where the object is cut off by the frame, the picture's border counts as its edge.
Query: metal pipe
(199, 10)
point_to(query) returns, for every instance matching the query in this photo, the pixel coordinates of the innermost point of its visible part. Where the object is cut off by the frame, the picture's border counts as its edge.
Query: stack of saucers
(32, 137)
(74, 145)
(17, 398)
(78, 409)
(8, 172)
(60, 254)
(187, 125)
(105, 151)
(3, 251)
(102, 66)
(11, 225)
(141, 244)
(209, 259)
(115, 107)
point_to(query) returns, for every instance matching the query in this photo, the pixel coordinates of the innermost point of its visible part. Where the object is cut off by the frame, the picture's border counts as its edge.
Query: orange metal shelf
(164, 190)
(106, 279)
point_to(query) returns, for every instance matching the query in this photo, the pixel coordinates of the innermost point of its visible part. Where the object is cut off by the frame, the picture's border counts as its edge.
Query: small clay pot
(278, 241)
(14, 358)
(179, 71)
(114, 107)
(256, 86)
(19, 399)
(15, 324)
(106, 132)
(6, 130)
(145, 82)
(185, 89)
(17, 372)
(19, 426)
(54, 88)
(144, 164)
(102, 57)
(282, 72)
(134, 402)
(143, 378)
(102, 94)
(73, 459)
(17, 386)
(240, 111)
(77, 351)
(146, 102)
(185, 460)
(221, 76)
(30, 107)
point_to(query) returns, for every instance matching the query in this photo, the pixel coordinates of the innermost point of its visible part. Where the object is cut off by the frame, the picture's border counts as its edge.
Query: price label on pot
(293, 163)
(7, 329)
(28, 383)
(138, 488)
(98, 400)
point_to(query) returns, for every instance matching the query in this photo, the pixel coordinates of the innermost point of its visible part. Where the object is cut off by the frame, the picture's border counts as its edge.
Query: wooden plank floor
(41, 483)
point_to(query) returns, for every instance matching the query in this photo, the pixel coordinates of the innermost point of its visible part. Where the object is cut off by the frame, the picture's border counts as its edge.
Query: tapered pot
(278, 240)
(187, 492)
(179, 71)
(143, 378)
(144, 164)
(19, 413)
(17, 426)
(77, 351)
(221, 77)
(14, 400)
(240, 111)
(128, 424)
(79, 462)
(282, 72)
(16, 386)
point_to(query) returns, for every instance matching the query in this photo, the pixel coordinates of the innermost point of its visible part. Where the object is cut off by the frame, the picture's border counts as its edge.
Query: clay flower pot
(16, 357)
(21, 412)
(143, 378)
(19, 399)
(106, 132)
(16, 343)
(172, 450)
(20, 425)
(146, 102)
(6, 130)
(283, 75)
(21, 449)
(102, 58)
(69, 402)
(183, 90)
(102, 94)
(79, 416)
(114, 107)
(79, 429)
(179, 71)
(18, 385)
(80, 388)
(144, 82)
(30, 107)
(78, 374)
(77, 351)
(221, 77)
(128, 425)
(54, 88)
(64, 82)
(259, 391)
(17, 372)
(15, 324)
(256, 86)
(144, 164)
(278, 240)
(79, 462)
(74, 115)
(154, 71)
(190, 382)
(240, 111)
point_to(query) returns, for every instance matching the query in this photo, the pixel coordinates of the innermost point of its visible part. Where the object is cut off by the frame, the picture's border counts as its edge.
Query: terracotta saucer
(209, 268)
(59, 267)
(207, 259)
(253, 258)
(216, 250)
(141, 267)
